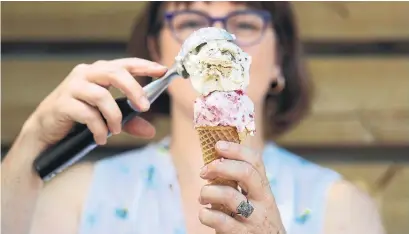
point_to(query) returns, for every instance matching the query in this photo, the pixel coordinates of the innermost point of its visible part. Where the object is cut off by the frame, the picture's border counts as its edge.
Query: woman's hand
(245, 166)
(81, 97)
(84, 94)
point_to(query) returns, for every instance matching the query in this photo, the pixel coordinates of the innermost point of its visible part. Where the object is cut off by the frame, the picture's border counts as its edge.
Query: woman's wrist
(27, 146)
(30, 137)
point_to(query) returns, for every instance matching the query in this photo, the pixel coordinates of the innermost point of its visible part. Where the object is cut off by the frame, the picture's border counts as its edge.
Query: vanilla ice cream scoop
(217, 64)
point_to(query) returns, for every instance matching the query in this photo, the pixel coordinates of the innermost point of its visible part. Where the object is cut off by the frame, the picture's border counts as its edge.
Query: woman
(156, 189)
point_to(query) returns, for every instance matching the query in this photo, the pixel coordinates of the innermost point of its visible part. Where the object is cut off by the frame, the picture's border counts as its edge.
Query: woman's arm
(351, 211)
(28, 204)
(20, 184)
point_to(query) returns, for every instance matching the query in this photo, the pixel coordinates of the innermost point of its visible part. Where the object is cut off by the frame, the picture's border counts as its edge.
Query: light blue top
(137, 192)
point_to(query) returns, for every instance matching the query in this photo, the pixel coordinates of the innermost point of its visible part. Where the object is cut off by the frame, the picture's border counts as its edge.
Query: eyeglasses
(248, 26)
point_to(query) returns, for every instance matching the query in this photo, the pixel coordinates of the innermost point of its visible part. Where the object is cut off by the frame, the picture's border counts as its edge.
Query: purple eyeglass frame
(265, 16)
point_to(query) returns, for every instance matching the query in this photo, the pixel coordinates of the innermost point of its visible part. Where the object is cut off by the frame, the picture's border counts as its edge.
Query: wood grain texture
(360, 83)
(359, 101)
(113, 20)
(69, 20)
(353, 20)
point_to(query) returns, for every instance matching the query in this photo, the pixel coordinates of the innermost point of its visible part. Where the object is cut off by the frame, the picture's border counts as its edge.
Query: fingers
(140, 127)
(101, 98)
(83, 97)
(105, 74)
(221, 222)
(97, 77)
(140, 67)
(223, 195)
(119, 73)
(88, 115)
(246, 175)
(239, 152)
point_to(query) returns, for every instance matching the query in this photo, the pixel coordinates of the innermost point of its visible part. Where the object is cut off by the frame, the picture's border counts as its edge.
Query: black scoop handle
(74, 146)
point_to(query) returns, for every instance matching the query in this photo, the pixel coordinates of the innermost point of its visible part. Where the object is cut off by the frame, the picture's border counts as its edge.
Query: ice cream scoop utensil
(79, 141)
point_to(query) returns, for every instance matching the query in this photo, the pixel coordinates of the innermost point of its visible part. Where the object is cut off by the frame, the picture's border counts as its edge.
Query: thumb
(140, 127)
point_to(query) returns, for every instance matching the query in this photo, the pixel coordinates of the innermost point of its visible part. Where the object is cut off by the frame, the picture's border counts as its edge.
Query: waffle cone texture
(209, 136)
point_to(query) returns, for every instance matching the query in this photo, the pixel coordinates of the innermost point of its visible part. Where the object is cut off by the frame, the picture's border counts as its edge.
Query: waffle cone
(209, 136)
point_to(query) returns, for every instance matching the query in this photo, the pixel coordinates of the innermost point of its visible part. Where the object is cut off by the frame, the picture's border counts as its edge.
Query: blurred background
(358, 55)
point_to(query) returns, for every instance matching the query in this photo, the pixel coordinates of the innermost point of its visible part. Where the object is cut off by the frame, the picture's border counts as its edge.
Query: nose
(218, 24)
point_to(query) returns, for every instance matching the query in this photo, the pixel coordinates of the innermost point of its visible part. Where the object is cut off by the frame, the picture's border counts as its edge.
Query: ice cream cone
(209, 136)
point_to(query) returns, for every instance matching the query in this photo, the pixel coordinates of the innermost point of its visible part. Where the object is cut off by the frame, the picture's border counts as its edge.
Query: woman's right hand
(84, 94)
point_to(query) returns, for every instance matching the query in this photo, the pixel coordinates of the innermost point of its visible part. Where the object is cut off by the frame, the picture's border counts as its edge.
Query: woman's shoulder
(85, 175)
(67, 191)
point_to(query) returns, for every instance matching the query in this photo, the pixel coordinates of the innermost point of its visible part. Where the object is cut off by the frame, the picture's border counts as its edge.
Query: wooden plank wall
(318, 20)
(360, 100)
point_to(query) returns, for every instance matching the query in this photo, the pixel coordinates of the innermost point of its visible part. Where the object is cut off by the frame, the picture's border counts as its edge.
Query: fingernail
(203, 171)
(222, 145)
(158, 66)
(103, 141)
(116, 131)
(143, 101)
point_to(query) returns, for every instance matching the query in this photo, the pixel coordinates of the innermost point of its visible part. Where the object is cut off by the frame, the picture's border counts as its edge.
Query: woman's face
(263, 69)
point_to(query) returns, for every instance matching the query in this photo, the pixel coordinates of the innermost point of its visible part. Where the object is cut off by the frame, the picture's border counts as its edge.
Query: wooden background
(362, 100)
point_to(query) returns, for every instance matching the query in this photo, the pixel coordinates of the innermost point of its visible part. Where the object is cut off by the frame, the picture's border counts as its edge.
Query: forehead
(208, 6)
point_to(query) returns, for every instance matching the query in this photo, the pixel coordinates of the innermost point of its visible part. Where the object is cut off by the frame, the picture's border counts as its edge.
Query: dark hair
(283, 110)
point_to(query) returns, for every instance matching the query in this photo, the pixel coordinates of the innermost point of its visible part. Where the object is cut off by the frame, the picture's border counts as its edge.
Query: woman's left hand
(245, 166)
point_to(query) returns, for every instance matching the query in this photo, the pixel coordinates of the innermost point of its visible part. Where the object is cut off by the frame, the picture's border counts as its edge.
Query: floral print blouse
(137, 192)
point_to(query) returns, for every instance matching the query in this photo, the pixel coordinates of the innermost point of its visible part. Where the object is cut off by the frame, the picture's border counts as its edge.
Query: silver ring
(245, 209)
